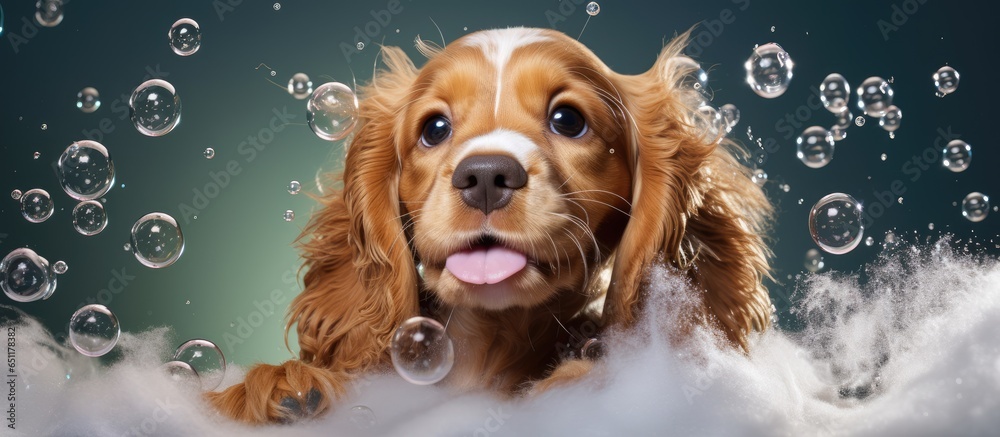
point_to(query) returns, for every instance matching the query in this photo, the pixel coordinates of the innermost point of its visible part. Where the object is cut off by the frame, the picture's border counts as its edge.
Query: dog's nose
(487, 182)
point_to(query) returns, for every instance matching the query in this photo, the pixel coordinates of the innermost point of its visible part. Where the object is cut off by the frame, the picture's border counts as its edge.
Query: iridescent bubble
(156, 240)
(155, 108)
(94, 330)
(85, 170)
(25, 276)
(289, 215)
(88, 100)
(36, 205)
(300, 86)
(363, 417)
(956, 156)
(759, 177)
(49, 13)
(182, 374)
(332, 111)
(814, 261)
(874, 96)
(945, 81)
(206, 359)
(422, 352)
(769, 70)
(60, 267)
(859, 121)
(209, 153)
(976, 206)
(834, 92)
(16, 194)
(89, 217)
(891, 119)
(730, 115)
(593, 9)
(294, 187)
(814, 147)
(185, 37)
(835, 223)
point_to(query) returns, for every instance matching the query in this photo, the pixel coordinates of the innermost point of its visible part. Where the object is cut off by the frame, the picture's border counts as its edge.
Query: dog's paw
(287, 393)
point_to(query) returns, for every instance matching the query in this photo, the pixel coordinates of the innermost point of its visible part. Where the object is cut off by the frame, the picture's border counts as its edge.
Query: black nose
(487, 182)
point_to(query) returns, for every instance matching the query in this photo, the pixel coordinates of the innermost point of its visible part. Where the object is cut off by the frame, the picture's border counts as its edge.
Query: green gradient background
(239, 249)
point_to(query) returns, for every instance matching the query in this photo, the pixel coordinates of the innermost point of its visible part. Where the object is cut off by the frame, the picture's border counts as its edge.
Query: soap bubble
(874, 96)
(185, 37)
(956, 156)
(294, 187)
(363, 417)
(593, 9)
(182, 374)
(759, 177)
(16, 194)
(206, 359)
(26, 277)
(835, 223)
(85, 170)
(730, 115)
(156, 240)
(37, 205)
(839, 130)
(891, 119)
(976, 207)
(422, 352)
(945, 81)
(869, 241)
(814, 260)
(155, 108)
(289, 215)
(300, 86)
(49, 13)
(859, 121)
(88, 100)
(694, 78)
(89, 217)
(60, 267)
(332, 111)
(94, 330)
(815, 147)
(769, 70)
(834, 92)
(209, 153)
(361, 45)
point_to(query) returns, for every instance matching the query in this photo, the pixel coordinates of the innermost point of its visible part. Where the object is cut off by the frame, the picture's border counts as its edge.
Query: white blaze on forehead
(501, 140)
(499, 44)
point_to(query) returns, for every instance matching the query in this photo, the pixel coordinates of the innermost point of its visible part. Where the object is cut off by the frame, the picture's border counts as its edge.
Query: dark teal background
(239, 250)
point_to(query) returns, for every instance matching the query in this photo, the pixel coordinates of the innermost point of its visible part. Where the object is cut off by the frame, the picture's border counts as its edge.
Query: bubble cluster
(155, 108)
(36, 205)
(874, 96)
(769, 70)
(421, 351)
(814, 261)
(891, 119)
(956, 156)
(88, 100)
(49, 13)
(94, 330)
(25, 276)
(815, 147)
(834, 92)
(976, 206)
(300, 86)
(835, 223)
(85, 170)
(185, 37)
(945, 81)
(156, 240)
(593, 9)
(206, 359)
(89, 217)
(730, 116)
(332, 111)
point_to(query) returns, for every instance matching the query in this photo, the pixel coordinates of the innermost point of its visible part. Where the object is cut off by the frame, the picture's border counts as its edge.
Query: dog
(532, 187)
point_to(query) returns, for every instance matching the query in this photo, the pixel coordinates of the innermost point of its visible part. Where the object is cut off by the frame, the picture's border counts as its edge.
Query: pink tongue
(485, 265)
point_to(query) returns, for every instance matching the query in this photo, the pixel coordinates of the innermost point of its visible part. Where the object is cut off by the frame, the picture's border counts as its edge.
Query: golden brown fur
(645, 185)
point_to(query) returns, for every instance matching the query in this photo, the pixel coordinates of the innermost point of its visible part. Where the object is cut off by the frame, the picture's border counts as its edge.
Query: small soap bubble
(976, 206)
(956, 156)
(801, 200)
(127, 247)
(206, 359)
(16, 194)
(185, 37)
(156, 240)
(835, 223)
(88, 100)
(874, 96)
(772, 29)
(45, 126)
(900, 200)
(209, 153)
(869, 241)
(300, 86)
(89, 217)
(274, 73)
(814, 260)
(769, 70)
(25, 276)
(891, 119)
(860, 121)
(593, 9)
(759, 177)
(49, 13)
(834, 92)
(815, 147)
(155, 108)
(85, 170)
(884, 156)
(294, 187)
(289, 215)
(363, 417)
(730, 115)
(277, 6)
(332, 111)
(945, 81)
(930, 226)
(60, 267)
(421, 351)
(36, 155)
(839, 130)
(361, 45)
(36, 205)
(94, 330)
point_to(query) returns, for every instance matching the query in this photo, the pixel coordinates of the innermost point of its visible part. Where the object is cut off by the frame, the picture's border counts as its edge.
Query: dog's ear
(360, 280)
(693, 205)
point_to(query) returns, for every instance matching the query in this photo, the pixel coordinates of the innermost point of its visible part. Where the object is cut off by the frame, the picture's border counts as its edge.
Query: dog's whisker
(452, 313)
(583, 256)
(572, 199)
(600, 191)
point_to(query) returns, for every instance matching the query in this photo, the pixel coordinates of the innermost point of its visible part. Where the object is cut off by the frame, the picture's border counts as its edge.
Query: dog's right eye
(436, 130)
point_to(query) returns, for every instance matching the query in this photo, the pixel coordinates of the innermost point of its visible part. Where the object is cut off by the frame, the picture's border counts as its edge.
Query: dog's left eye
(436, 130)
(568, 122)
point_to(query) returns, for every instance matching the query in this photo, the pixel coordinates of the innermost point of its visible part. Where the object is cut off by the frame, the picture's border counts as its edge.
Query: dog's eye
(436, 130)
(568, 122)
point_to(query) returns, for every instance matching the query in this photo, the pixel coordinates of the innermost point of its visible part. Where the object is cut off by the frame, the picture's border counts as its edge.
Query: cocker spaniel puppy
(534, 186)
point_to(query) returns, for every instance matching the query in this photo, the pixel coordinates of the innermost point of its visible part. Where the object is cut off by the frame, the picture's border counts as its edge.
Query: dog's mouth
(487, 261)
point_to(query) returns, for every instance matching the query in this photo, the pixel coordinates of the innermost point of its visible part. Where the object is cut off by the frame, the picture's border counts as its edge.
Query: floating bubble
(593, 349)
(300, 86)
(759, 176)
(85, 170)
(60, 267)
(94, 330)
(49, 13)
(593, 9)
(289, 215)
(89, 217)
(956, 156)
(37, 205)
(860, 121)
(206, 359)
(294, 187)
(185, 37)
(16, 194)
(769, 70)
(156, 240)
(730, 115)
(694, 78)
(88, 100)
(814, 260)
(209, 153)
(36, 155)
(332, 111)
(25, 276)
(874, 96)
(361, 45)
(930, 226)
(891, 119)
(835, 223)
(869, 241)
(277, 6)
(363, 417)
(945, 81)
(45, 126)
(839, 130)
(422, 352)
(976, 206)
(709, 121)
(182, 374)
(814, 147)
(884, 156)
(155, 108)
(834, 92)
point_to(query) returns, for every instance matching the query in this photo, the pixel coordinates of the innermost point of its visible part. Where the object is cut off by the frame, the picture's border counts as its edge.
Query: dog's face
(514, 179)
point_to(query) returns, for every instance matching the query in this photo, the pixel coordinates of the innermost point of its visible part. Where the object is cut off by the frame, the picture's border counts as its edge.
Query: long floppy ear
(360, 280)
(693, 206)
